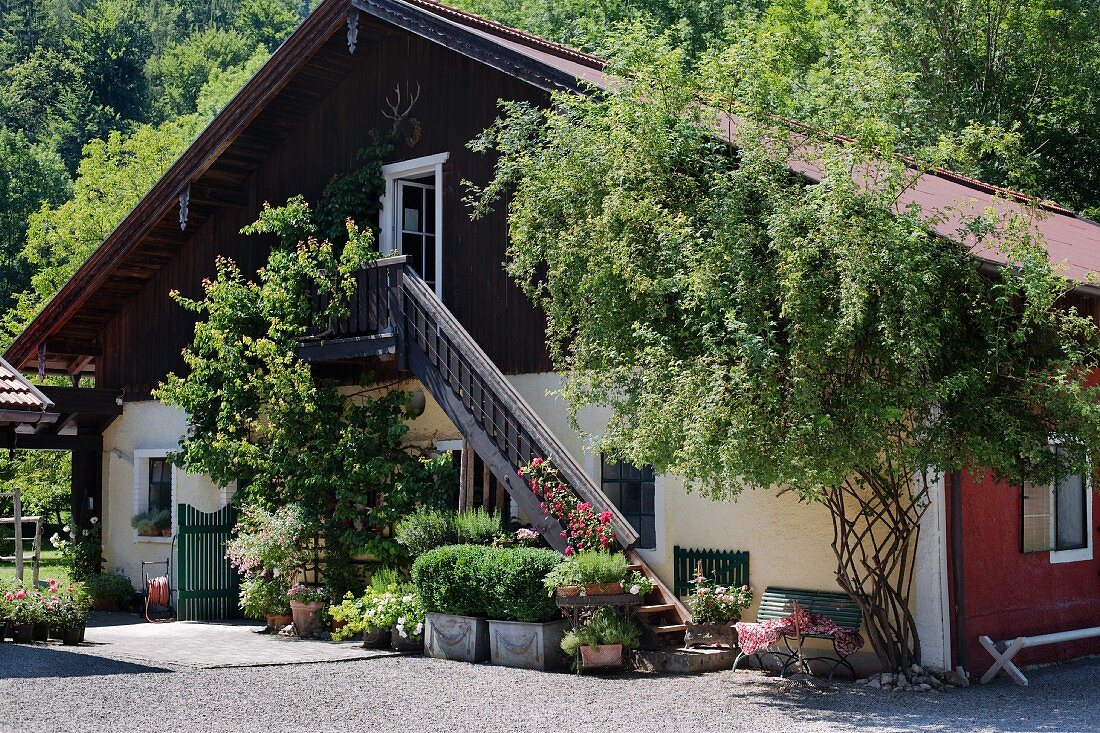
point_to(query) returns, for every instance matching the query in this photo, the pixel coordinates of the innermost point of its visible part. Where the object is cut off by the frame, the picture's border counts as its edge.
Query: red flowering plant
(582, 527)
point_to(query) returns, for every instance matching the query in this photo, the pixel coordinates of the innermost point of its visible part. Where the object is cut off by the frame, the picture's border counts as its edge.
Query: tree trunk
(876, 524)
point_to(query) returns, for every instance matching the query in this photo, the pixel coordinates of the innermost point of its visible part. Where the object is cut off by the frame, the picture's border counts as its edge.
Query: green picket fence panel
(209, 587)
(724, 567)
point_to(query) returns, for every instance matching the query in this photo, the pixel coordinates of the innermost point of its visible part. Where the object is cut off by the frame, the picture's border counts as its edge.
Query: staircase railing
(491, 401)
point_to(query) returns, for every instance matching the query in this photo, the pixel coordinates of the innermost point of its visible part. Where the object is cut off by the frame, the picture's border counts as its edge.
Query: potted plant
(21, 613)
(266, 598)
(70, 609)
(306, 603)
(714, 611)
(525, 627)
(152, 523)
(449, 582)
(407, 631)
(601, 641)
(589, 573)
(109, 591)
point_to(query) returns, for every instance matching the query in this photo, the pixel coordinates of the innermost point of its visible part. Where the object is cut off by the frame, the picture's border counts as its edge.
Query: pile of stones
(919, 678)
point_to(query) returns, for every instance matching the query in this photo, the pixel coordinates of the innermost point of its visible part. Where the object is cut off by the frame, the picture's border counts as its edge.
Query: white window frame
(141, 488)
(387, 225)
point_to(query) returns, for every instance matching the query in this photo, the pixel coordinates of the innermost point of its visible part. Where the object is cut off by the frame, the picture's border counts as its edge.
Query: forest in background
(98, 98)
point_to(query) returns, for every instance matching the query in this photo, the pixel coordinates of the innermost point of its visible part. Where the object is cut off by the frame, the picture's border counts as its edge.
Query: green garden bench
(779, 603)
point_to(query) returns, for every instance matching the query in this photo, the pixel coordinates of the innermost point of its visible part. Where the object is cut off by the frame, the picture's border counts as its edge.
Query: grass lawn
(51, 567)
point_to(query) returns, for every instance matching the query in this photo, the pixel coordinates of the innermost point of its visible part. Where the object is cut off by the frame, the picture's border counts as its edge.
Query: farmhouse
(442, 316)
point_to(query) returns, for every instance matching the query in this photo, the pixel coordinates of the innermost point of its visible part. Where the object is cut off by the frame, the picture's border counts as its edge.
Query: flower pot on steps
(458, 638)
(710, 635)
(603, 589)
(527, 645)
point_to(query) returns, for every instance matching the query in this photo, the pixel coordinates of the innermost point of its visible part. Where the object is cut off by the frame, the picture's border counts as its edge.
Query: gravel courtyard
(43, 689)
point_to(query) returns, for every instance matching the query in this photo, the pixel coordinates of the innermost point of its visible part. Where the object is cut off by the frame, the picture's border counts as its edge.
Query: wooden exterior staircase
(394, 312)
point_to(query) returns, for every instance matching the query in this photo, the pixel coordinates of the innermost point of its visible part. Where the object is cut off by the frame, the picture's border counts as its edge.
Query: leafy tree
(261, 417)
(111, 42)
(267, 22)
(749, 329)
(30, 177)
(223, 84)
(179, 75)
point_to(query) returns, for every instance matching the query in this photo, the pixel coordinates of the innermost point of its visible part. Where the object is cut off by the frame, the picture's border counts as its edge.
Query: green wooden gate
(724, 567)
(209, 587)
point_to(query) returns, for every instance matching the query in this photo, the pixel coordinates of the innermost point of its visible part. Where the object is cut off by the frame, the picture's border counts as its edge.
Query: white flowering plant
(396, 607)
(637, 584)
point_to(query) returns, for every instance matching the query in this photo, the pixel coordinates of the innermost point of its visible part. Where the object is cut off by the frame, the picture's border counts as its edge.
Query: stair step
(632, 568)
(669, 629)
(655, 608)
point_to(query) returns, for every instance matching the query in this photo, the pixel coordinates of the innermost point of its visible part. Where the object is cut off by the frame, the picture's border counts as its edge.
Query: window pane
(1071, 526)
(429, 259)
(647, 533)
(429, 210)
(1037, 518)
(156, 468)
(413, 246)
(412, 203)
(632, 499)
(647, 498)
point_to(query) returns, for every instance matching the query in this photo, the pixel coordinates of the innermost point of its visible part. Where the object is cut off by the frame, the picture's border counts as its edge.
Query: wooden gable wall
(458, 99)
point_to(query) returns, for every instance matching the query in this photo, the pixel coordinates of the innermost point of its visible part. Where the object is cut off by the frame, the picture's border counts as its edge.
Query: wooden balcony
(370, 327)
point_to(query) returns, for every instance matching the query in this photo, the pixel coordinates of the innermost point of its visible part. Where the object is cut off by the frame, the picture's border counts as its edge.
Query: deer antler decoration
(396, 113)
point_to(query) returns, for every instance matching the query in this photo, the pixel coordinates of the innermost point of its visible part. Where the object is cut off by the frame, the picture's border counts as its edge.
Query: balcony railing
(371, 310)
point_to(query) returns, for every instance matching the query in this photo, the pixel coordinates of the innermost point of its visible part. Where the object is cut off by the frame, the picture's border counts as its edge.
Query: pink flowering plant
(582, 527)
(302, 593)
(717, 604)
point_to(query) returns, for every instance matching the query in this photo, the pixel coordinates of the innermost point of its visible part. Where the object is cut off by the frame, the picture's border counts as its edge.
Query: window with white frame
(412, 215)
(154, 484)
(1057, 518)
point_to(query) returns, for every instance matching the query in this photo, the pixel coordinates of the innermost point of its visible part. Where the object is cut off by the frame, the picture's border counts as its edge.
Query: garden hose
(157, 593)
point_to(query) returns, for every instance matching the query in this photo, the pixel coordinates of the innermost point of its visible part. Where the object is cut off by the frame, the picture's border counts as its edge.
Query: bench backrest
(779, 603)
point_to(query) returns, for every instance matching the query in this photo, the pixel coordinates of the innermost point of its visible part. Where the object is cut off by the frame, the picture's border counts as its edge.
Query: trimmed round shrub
(502, 583)
(513, 578)
(449, 580)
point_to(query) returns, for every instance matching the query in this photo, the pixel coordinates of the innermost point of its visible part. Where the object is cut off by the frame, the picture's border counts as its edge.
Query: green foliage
(746, 329)
(449, 579)
(261, 417)
(151, 520)
(43, 481)
(475, 580)
(604, 627)
(476, 527)
(513, 581)
(594, 566)
(358, 193)
(425, 530)
(181, 72)
(264, 597)
(110, 587)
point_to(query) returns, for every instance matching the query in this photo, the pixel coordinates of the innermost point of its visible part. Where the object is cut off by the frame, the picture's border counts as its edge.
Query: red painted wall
(1008, 593)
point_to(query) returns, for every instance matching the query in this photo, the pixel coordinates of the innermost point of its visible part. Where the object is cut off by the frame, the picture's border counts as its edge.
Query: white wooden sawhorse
(1003, 651)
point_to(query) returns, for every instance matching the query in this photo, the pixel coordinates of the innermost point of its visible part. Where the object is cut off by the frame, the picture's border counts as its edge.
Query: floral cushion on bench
(756, 637)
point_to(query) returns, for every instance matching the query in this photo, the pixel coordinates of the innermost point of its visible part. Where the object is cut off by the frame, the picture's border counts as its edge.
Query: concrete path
(205, 645)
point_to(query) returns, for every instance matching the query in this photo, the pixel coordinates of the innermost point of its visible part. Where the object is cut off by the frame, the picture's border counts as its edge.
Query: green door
(209, 587)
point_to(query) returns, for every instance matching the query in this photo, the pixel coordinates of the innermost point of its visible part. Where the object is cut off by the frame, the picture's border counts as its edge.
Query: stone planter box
(458, 638)
(401, 643)
(527, 645)
(710, 635)
(376, 639)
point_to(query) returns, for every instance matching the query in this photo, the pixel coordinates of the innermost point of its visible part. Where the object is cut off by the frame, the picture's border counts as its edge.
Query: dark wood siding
(458, 99)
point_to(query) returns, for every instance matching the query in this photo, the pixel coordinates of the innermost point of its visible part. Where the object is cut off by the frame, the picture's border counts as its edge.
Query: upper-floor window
(1056, 517)
(631, 489)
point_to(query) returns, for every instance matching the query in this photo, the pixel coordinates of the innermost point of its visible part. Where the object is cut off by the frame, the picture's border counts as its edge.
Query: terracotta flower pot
(22, 633)
(72, 637)
(569, 590)
(166, 533)
(307, 617)
(603, 589)
(276, 621)
(605, 655)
